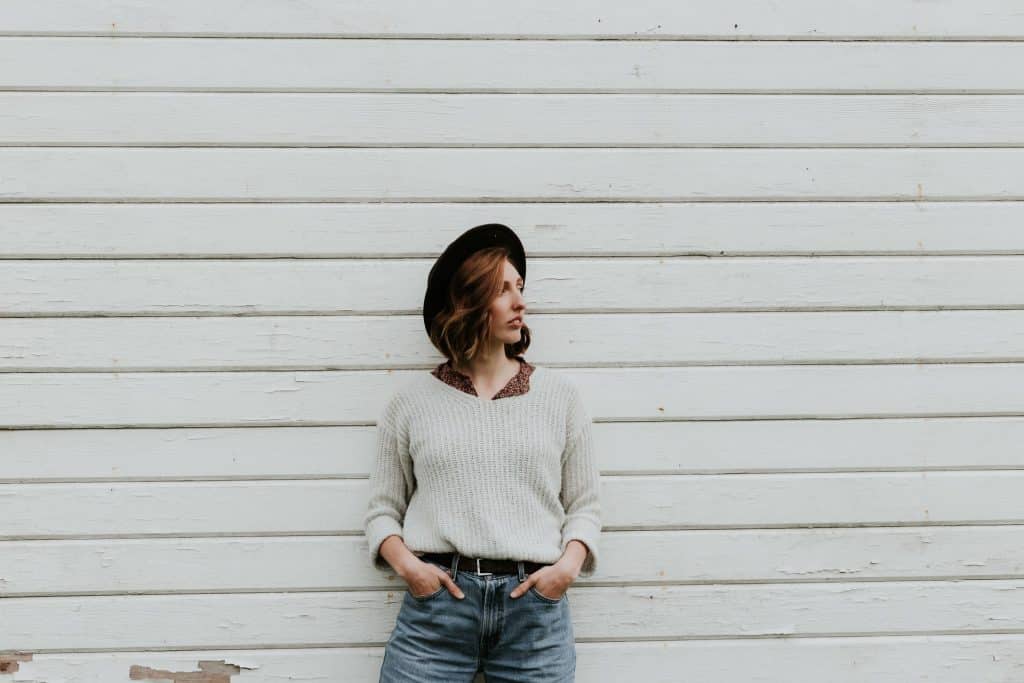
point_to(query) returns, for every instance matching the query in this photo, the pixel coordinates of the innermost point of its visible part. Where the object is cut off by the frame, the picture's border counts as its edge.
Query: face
(508, 305)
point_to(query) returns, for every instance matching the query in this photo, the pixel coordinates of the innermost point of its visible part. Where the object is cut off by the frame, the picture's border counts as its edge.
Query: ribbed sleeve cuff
(590, 534)
(377, 531)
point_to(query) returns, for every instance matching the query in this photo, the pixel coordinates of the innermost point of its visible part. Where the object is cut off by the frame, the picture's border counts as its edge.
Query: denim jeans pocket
(539, 596)
(433, 595)
(424, 598)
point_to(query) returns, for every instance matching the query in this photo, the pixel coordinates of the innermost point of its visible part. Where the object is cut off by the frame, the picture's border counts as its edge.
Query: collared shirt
(519, 384)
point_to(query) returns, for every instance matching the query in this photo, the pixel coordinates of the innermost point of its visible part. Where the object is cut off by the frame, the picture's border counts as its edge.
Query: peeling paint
(822, 570)
(9, 662)
(210, 671)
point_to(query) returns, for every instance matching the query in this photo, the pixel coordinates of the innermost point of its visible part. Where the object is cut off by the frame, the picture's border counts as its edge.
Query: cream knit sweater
(509, 478)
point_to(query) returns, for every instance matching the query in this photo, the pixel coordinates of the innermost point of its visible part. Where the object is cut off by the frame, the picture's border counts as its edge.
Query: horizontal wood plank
(111, 230)
(425, 174)
(655, 19)
(317, 398)
(334, 397)
(517, 120)
(562, 285)
(629, 502)
(883, 659)
(328, 342)
(116, 566)
(670, 447)
(599, 613)
(496, 65)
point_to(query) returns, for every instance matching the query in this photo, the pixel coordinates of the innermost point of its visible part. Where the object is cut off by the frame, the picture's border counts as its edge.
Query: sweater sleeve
(392, 483)
(581, 483)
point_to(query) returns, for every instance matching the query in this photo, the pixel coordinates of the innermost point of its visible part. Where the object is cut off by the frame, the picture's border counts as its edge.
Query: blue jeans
(439, 638)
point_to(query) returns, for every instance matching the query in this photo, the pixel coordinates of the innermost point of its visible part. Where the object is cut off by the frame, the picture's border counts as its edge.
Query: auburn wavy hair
(462, 327)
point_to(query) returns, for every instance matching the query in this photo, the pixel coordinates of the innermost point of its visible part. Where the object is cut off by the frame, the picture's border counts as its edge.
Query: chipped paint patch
(210, 671)
(9, 662)
(823, 570)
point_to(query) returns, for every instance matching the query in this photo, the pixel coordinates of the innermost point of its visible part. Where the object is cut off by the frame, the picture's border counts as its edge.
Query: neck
(491, 363)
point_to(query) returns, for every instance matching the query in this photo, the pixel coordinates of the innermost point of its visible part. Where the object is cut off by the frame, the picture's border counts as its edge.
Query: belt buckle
(480, 573)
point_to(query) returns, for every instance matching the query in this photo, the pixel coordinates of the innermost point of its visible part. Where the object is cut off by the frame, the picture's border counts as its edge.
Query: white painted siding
(778, 245)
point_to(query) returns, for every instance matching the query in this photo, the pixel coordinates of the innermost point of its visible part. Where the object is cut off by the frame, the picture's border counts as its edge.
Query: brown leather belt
(480, 565)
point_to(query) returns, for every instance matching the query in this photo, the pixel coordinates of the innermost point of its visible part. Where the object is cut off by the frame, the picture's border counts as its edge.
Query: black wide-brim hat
(464, 246)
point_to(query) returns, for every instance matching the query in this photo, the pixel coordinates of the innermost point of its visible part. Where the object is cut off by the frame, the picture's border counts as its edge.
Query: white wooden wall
(779, 245)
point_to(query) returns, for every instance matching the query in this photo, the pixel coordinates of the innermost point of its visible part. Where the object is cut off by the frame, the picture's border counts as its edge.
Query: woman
(484, 497)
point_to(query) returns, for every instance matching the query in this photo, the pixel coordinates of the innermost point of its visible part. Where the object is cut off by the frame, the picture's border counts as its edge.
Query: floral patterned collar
(516, 386)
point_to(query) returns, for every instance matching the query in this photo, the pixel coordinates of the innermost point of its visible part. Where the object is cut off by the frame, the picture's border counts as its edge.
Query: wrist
(573, 557)
(406, 564)
(572, 569)
(398, 555)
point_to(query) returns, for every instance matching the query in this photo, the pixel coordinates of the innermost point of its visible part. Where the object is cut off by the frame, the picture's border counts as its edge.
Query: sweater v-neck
(476, 400)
